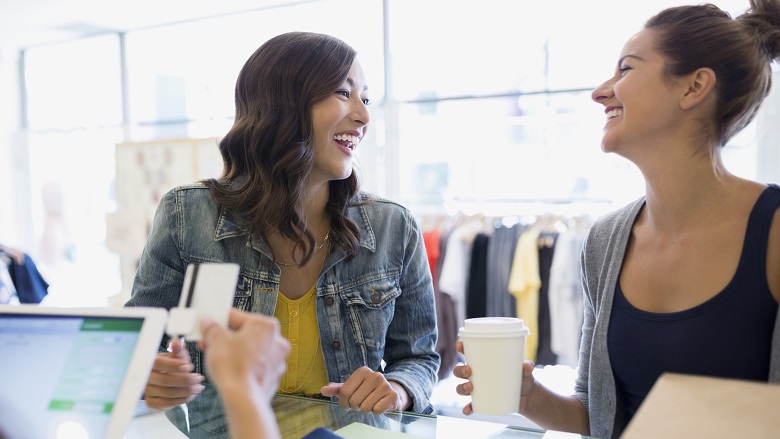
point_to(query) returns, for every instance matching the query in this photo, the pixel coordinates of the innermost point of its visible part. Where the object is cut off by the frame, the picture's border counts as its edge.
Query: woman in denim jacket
(345, 273)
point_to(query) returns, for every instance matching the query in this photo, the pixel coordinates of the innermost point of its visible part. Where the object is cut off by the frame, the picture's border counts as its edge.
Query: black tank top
(728, 336)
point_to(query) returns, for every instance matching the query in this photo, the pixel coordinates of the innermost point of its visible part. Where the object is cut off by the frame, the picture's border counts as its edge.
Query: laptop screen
(61, 375)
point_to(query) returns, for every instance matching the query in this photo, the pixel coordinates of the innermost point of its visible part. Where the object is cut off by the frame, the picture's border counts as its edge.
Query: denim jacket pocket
(243, 296)
(371, 306)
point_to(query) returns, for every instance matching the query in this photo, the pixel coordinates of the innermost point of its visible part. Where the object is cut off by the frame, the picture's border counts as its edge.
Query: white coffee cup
(494, 348)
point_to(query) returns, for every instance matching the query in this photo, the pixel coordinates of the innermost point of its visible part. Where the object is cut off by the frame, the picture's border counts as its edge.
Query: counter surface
(297, 416)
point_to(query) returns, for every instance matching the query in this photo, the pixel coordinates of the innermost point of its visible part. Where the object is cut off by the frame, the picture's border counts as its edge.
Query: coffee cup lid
(511, 326)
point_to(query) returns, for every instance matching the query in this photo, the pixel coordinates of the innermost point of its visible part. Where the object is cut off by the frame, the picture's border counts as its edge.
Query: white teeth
(614, 113)
(353, 140)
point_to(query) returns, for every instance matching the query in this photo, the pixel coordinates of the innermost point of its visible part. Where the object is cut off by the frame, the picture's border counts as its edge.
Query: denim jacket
(377, 307)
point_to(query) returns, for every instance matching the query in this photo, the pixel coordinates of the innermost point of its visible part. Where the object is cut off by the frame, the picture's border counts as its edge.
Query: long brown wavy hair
(268, 153)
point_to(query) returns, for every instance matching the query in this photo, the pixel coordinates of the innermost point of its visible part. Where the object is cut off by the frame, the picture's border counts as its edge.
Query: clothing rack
(480, 266)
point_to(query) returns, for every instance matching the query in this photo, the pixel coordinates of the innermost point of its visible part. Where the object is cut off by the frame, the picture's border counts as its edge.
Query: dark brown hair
(739, 51)
(268, 154)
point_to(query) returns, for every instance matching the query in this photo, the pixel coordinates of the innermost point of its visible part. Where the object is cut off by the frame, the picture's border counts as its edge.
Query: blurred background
(479, 108)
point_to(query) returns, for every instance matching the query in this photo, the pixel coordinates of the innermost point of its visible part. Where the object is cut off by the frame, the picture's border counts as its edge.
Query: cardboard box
(690, 406)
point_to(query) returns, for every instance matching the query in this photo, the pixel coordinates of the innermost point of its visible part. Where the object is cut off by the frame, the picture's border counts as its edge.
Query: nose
(360, 112)
(602, 93)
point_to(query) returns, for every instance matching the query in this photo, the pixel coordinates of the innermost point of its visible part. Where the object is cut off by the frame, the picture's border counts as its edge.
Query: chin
(608, 145)
(341, 175)
(345, 173)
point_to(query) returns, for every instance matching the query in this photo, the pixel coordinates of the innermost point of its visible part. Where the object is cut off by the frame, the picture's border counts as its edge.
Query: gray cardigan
(601, 261)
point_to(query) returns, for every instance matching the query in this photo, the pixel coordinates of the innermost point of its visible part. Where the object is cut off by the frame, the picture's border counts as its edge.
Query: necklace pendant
(316, 250)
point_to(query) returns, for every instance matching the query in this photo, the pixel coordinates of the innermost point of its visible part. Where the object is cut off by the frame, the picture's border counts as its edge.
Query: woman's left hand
(369, 392)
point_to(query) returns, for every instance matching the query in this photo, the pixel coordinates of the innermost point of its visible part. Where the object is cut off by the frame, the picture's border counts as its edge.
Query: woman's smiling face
(340, 121)
(640, 102)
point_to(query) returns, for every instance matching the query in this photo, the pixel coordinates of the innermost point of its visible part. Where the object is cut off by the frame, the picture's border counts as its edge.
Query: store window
(181, 77)
(76, 84)
(494, 110)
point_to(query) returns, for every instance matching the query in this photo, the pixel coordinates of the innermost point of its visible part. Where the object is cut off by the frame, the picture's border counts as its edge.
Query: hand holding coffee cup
(494, 348)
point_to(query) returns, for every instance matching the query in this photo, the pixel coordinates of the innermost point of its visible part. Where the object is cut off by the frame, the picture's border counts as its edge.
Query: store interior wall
(17, 199)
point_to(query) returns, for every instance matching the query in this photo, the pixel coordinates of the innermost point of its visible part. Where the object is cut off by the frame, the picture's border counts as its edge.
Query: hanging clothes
(445, 306)
(546, 249)
(456, 264)
(476, 290)
(431, 239)
(524, 284)
(501, 249)
(30, 285)
(512, 266)
(565, 293)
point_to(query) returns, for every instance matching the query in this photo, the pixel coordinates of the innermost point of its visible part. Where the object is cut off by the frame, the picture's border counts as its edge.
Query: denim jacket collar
(228, 227)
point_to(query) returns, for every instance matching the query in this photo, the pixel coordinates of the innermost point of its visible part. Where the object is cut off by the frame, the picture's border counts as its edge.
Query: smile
(347, 140)
(613, 113)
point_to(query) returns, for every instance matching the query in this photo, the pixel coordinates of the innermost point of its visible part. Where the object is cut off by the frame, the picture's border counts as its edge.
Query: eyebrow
(620, 62)
(351, 83)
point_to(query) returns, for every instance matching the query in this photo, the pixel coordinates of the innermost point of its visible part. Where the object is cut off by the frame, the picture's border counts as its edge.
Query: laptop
(74, 372)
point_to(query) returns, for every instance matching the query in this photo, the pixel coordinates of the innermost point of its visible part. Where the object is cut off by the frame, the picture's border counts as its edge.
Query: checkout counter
(297, 416)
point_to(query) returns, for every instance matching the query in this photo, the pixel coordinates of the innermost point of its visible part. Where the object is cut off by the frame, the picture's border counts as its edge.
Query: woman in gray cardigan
(687, 278)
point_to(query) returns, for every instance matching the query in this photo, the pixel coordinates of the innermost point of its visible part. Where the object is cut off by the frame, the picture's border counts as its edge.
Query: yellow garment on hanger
(524, 284)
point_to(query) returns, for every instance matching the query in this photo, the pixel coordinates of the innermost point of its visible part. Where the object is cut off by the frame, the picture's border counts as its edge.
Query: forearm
(552, 411)
(248, 414)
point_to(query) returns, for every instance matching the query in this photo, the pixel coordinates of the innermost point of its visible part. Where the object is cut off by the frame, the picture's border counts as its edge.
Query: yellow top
(305, 365)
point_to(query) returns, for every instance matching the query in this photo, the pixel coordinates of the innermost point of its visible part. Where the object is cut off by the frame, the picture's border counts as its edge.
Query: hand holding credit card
(208, 290)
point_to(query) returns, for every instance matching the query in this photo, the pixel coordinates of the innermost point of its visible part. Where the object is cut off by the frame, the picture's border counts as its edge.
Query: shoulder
(187, 192)
(382, 220)
(378, 206)
(369, 198)
(191, 189)
(611, 230)
(617, 220)
(188, 199)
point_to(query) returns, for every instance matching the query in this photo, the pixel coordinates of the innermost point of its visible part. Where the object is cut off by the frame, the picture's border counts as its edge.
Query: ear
(698, 86)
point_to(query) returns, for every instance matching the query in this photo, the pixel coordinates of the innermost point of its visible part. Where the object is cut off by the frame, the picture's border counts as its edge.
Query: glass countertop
(297, 416)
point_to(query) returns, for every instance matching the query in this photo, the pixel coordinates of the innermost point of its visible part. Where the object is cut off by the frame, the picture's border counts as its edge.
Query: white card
(208, 290)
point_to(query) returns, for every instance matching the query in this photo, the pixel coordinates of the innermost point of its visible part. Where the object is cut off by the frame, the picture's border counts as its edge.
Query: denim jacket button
(329, 301)
(336, 345)
(376, 298)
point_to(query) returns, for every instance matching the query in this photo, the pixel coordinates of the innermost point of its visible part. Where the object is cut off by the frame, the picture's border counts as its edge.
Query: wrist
(241, 388)
(404, 401)
(525, 398)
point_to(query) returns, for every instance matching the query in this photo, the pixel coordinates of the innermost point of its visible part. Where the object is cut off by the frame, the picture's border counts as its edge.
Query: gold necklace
(313, 294)
(316, 249)
(316, 348)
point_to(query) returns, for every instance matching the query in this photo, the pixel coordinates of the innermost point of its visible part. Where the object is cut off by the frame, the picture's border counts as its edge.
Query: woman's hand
(369, 392)
(464, 371)
(172, 381)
